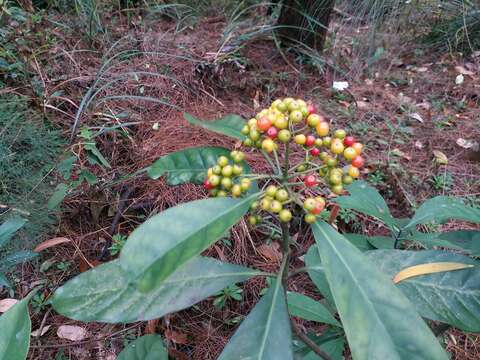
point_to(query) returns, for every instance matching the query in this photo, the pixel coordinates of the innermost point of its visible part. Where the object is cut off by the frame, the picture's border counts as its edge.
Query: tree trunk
(305, 21)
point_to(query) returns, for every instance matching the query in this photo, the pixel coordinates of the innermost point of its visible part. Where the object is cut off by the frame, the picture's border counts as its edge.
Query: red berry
(263, 123)
(358, 162)
(311, 109)
(310, 140)
(349, 141)
(310, 180)
(207, 185)
(317, 209)
(272, 132)
(315, 152)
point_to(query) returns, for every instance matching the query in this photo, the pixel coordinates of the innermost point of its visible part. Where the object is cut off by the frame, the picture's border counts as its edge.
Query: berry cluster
(224, 178)
(330, 157)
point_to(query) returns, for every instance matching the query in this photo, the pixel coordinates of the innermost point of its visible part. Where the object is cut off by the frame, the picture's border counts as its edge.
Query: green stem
(275, 156)
(269, 161)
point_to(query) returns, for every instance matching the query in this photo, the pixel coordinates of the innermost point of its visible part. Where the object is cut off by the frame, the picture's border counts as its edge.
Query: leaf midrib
(269, 319)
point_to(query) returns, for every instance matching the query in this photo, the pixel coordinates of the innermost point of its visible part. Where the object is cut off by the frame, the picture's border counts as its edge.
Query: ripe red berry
(317, 209)
(311, 109)
(264, 123)
(315, 152)
(310, 140)
(358, 162)
(310, 180)
(272, 132)
(207, 185)
(349, 141)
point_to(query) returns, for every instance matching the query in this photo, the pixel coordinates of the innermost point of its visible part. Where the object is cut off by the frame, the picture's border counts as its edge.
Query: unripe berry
(222, 161)
(309, 204)
(221, 193)
(252, 123)
(337, 189)
(349, 153)
(271, 191)
(268, 145)
(300, 139)
(265, 204)
(226, 183)
(275, 206)
(237, 156)
(214, 180)
(353, 172)
(296, 116)
(285, 215)
(310, 218)
(237, 169)
(327, 141)
(254, 134)
(245, 130)
(347, 179)
(227, 170)
(245, 184)
(313, 120)
(340, 134)
(293, 106)
(236, 190)
(254, 205)
(284, 135)
(252, 220)
(281, 195)
(337, 146)
(281, 122)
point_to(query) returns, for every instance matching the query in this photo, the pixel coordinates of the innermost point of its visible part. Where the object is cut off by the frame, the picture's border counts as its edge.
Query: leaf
(360, 241)
(15, 258)
(365, 199)
(147, 347)
(332, 342)
(316, 272)
(65, 167)
(10, 227)
(6, 304)
(265, 333)
(450, 297)
(50, 243)
(467, 241)
(16, 327)
(468, 144)
(189, 165)
(167, 240)
(107, 293)
(92, 148)
(271, 252)
(443, 208)
(58, 196)
(425, 269)
(306, 308)
(230, 125)
(72, 332)
(370, 306)
(440, 157)
(36, 333)
(416, 116)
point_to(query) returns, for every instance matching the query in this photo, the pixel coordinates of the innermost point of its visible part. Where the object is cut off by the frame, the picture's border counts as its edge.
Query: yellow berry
(300, 139)
(268, 145)
(310, 218)
(337, 146)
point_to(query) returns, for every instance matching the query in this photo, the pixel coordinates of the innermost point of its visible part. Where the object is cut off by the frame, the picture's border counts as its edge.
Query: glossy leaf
(106, 293)
(370, 306)
(169, 239)
(10, 227)
(367, 200)
(147, 347)
(443, 208)
(15, 258)
(450, 297)
(16, 327)
(230, 125)
(467, 241)
(265, 334)
(189, 165)
(304, 307)
(316, 272)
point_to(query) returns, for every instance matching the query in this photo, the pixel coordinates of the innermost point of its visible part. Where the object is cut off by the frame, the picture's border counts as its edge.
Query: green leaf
(189, 165)
(10, 227)
(58, 196)
(265, 334)
(65, 167)
(452, 297)
(306, 308)
(108, 294)
(147, 347)
(443, 208)
(370, 306)
(4, 281)
(92, 148)
(467, 241)
(331, 342)
(167, 240)
(230, 125)
(365, 243)
(15, 258)
(316, 272)
(367, 200)
(16, 327)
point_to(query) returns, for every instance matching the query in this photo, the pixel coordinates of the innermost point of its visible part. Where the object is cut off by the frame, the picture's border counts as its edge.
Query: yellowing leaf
(440, 157)
(430, 268)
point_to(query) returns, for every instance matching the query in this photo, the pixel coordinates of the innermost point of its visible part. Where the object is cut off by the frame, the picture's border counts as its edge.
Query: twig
(310, 343)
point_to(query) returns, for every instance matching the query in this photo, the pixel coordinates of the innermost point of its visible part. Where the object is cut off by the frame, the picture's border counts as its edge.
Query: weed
(443, 181)
(118, 240)
(232, 292)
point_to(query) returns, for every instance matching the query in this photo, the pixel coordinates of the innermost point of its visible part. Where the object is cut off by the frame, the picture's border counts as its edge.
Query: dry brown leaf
(6, 304)
(463, 71)
(270, 252)
(72, 332)
(50, 243)
(151, 326)
(87, 265)
(430, 268)
(36, 333)
(176, 337)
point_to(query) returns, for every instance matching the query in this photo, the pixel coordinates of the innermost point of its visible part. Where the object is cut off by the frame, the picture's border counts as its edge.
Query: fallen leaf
(363, 105)
(400, 153)
(430, 268)
(50, 243)
(270, 251)
(440, 157)
(463, 71)
(72, 332)
(421, 69)
(416, 116)
(6, 304)
(459, 79)
(36, 333)
(468, 144)
(86, 265)
(176, 337)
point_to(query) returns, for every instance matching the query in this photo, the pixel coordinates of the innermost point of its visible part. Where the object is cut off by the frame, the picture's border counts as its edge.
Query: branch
(309, 342)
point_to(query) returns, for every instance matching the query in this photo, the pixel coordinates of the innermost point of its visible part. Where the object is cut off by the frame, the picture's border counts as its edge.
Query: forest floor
(408, 109)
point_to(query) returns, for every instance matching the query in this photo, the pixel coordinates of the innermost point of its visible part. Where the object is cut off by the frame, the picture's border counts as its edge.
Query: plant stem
(269, 161)
(310, 343)
(397, 238)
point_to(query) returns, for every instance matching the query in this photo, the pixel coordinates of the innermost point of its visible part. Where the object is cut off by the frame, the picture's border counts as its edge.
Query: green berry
(222, 161)
(310, 218)
(275, 206)
(285, 215)
(281, 195)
